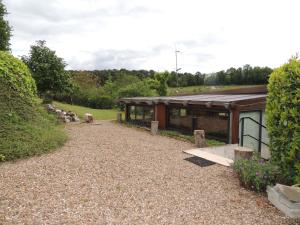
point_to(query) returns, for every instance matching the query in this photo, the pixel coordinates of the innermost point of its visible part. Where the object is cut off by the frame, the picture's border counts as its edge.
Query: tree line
(101, 88)
(233, 76)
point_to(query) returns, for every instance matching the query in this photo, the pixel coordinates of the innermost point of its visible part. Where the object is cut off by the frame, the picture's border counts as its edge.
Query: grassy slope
(200, 89)
(99, 114)
(20, 138)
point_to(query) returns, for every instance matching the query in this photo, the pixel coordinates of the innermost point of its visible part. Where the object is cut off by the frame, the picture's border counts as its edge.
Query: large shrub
(17, 87)
(283, 119)
(25, 128)
(138, 89)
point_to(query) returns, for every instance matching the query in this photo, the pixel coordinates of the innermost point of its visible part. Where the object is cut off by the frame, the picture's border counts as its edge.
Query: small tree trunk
(199, 136)
(242, 153)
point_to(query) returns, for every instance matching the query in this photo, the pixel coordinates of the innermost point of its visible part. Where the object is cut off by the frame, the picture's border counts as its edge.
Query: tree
(283, 119)
(5, 29)
(159, 83)
(48, 70)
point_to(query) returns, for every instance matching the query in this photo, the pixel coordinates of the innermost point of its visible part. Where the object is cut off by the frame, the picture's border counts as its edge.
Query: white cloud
(212, 35)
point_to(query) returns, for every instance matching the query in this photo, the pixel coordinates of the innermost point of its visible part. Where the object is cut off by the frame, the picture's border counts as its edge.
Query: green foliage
(48, 70)
(140, 89)
(17, 88)
(21, 138)
(240, 76)
(160, 83)
(255, 173)
(25, 130)
(283, 119)
(5, 29)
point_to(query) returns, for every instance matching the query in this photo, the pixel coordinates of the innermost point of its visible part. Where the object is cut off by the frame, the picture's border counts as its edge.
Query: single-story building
(232, 118)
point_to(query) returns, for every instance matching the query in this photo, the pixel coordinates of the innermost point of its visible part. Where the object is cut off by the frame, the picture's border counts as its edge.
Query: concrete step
(210, 157)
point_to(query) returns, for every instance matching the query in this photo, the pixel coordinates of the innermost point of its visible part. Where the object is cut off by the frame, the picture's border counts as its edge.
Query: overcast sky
(142, 34)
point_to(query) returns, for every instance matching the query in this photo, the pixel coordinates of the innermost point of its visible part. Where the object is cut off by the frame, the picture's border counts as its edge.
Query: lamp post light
(176, 67)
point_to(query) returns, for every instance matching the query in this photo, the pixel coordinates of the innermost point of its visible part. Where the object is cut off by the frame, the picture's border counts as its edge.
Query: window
(183, 113)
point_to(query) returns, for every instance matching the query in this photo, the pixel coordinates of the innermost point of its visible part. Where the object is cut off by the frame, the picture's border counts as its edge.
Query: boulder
(88, 118)
(58, 111)
(75, 119)
(50, 108)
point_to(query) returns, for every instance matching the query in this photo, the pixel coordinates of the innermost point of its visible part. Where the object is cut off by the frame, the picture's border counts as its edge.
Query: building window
(141, 115)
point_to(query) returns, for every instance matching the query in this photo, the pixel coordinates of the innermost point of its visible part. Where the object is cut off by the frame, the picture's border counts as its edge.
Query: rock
(70, 113)
(75, 119)
(50, 108)
(88, 118)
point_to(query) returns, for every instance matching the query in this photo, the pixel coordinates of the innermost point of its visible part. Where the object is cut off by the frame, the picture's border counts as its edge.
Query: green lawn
(202, 88)
(98, 114)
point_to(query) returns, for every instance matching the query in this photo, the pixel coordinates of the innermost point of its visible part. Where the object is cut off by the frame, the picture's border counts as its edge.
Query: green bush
(17, 87)
(139, 89)
(256, 173)
(25, 129)
(283, 119)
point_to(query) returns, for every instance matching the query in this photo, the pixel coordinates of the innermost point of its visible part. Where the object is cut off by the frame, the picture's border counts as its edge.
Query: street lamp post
(176, 67)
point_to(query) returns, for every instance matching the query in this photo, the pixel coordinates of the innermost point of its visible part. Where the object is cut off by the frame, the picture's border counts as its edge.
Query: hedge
(283, 119)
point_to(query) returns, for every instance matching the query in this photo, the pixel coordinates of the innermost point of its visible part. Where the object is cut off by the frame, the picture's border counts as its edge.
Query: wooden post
(199, 136)
(242, 153)
(119, 117)
(154, 127)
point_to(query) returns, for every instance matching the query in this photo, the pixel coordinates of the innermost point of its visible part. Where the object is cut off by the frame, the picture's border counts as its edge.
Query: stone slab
(290, 209)
(210, 157)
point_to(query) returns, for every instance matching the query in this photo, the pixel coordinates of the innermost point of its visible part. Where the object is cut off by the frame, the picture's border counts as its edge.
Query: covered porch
(217, 115)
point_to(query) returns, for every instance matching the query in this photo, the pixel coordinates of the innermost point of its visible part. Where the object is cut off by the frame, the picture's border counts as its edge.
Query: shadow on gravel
(199, 161)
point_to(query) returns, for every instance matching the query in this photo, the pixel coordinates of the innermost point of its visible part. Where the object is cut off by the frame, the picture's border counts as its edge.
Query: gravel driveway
(110, 174)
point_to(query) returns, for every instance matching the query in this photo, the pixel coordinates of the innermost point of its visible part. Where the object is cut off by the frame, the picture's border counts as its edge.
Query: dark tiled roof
(194, 99)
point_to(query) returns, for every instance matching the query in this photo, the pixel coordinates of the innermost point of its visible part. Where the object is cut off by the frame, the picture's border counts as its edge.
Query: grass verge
(189, 138)
(20, 138)
(177, 135)
(98, 114)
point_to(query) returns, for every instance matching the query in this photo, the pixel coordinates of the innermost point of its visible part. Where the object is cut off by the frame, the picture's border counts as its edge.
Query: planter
(282, 202)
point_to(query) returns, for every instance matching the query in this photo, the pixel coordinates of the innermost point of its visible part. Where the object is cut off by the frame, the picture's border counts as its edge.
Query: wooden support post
(119, 117)
(199, 136)
(154, 127)
(242, 153)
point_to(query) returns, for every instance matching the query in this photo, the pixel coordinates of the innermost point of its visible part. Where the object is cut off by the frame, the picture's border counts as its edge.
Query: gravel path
(109, 174)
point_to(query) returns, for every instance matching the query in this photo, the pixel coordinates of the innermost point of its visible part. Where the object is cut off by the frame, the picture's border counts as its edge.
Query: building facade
(219, 115)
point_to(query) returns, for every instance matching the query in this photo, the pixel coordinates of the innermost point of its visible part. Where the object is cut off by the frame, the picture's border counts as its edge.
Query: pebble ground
(111, 174)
